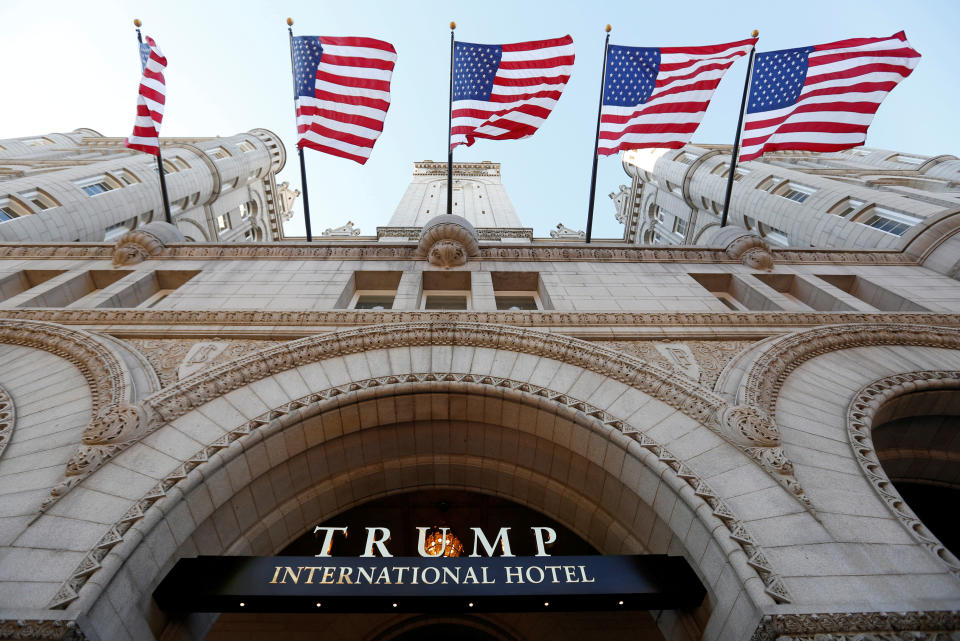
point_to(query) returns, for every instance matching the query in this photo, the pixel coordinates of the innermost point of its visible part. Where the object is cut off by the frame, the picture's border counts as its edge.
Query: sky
(69, 64)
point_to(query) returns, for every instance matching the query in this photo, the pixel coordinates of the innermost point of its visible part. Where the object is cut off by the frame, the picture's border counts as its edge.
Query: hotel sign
(417, 584)
(471, 580)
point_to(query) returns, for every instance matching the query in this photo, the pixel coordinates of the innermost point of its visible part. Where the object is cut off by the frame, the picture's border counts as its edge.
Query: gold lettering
(327, 578)
(288, 572)
(344, 577)
(276, 573)
(362, 573)
(312, 568)
(583, 573)
(571, 572)
(512, 573)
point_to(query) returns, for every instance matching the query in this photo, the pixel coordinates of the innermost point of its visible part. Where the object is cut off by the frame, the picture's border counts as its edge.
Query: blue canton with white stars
(144, 55)
(306, 58)
(778, 78)
(631, 75)
(474, 68)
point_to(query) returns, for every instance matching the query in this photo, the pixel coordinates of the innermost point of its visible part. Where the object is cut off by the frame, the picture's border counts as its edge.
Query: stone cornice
(352, 318)
(564, 252)
(936, 625)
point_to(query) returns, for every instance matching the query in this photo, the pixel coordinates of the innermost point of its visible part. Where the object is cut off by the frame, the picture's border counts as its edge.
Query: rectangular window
(218, 153)
(246, 146)
(514, 303)
(370, 290)
(801, 290)
(686, 158)
(795, 192)
(149, 289)
(446, 290)
(73, 291)
(97, 184)
(11, 208)
(115, 231)
(770, 183)
(740, 173)
(846, 206)
(223, 222)
(679, 226)
(21, 281)
(181, 163)
(39, 199)
(774, 235)
(674, 189)
(735, 292)
(872, 294)
(517, 290)
(887, 220)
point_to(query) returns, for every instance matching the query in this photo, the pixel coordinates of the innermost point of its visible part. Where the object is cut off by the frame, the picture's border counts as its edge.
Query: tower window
(795, 192)
(846, 207)
(98, 184)
(887, 220)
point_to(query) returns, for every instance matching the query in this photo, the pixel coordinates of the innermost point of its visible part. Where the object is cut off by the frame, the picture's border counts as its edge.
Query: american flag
(505, 92)
(150, 100)
(656, 96)
(343, 93)
(822, 98)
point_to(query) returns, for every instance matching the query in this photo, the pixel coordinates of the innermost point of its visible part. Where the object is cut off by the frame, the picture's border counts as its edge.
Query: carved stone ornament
(8, 417)
(140, 244)
(743, 245)
(750, 427)
(562, 231)
(41, 630)
(448, 241)
(371, 389)
(347, 231)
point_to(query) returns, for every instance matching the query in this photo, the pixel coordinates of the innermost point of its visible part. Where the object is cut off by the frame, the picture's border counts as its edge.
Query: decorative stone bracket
(448, 241)
(143, 242)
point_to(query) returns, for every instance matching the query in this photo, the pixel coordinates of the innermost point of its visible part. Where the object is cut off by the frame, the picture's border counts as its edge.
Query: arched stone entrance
(242, 467)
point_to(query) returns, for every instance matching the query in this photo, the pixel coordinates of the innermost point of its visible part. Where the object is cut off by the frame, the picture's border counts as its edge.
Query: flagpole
(163, 177)
(303, 166)
(735, 152)
(596, 139)
(453, 26)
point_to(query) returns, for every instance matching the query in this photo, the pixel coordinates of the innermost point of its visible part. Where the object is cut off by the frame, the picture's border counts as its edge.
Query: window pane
(446, 302)
(516, 302)
(374, 302)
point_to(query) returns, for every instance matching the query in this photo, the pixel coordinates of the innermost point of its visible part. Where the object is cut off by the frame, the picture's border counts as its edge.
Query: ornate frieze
(708, 357)
(538, 252)
(41, 630)
(359, 390)
(860, 417)
(168, 317)
(936, 625)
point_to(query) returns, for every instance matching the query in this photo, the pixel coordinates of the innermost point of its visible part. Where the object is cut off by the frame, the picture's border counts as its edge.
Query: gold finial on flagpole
(453, 25)
(289, 22)
(608, 28)
(754, 34)
(137, 23)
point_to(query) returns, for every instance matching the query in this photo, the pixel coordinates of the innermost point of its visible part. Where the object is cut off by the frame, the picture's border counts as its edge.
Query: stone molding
(540, 252)
(301, 319)
(8, 418)
(107, 378)
(145, 242)
(448, 241)
(860, 416)
(930, 625)
(780, 358)
(361, 390)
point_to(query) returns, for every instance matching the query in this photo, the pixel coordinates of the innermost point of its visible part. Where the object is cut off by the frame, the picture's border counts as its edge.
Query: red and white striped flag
(150, 100)
(507, 91)
(822, 98)
(343, 93)
(656, 96)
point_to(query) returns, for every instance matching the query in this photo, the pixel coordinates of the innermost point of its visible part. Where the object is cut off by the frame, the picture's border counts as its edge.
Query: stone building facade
(761, 411)
(90, 188)
(859, 198)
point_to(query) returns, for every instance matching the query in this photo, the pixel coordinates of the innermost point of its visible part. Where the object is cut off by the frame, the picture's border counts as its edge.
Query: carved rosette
(750, 427)
(118, 424)
(140, 244)
(448, 241)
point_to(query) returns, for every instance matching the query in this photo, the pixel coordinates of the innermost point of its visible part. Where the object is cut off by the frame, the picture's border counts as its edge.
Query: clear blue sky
(74, 64)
